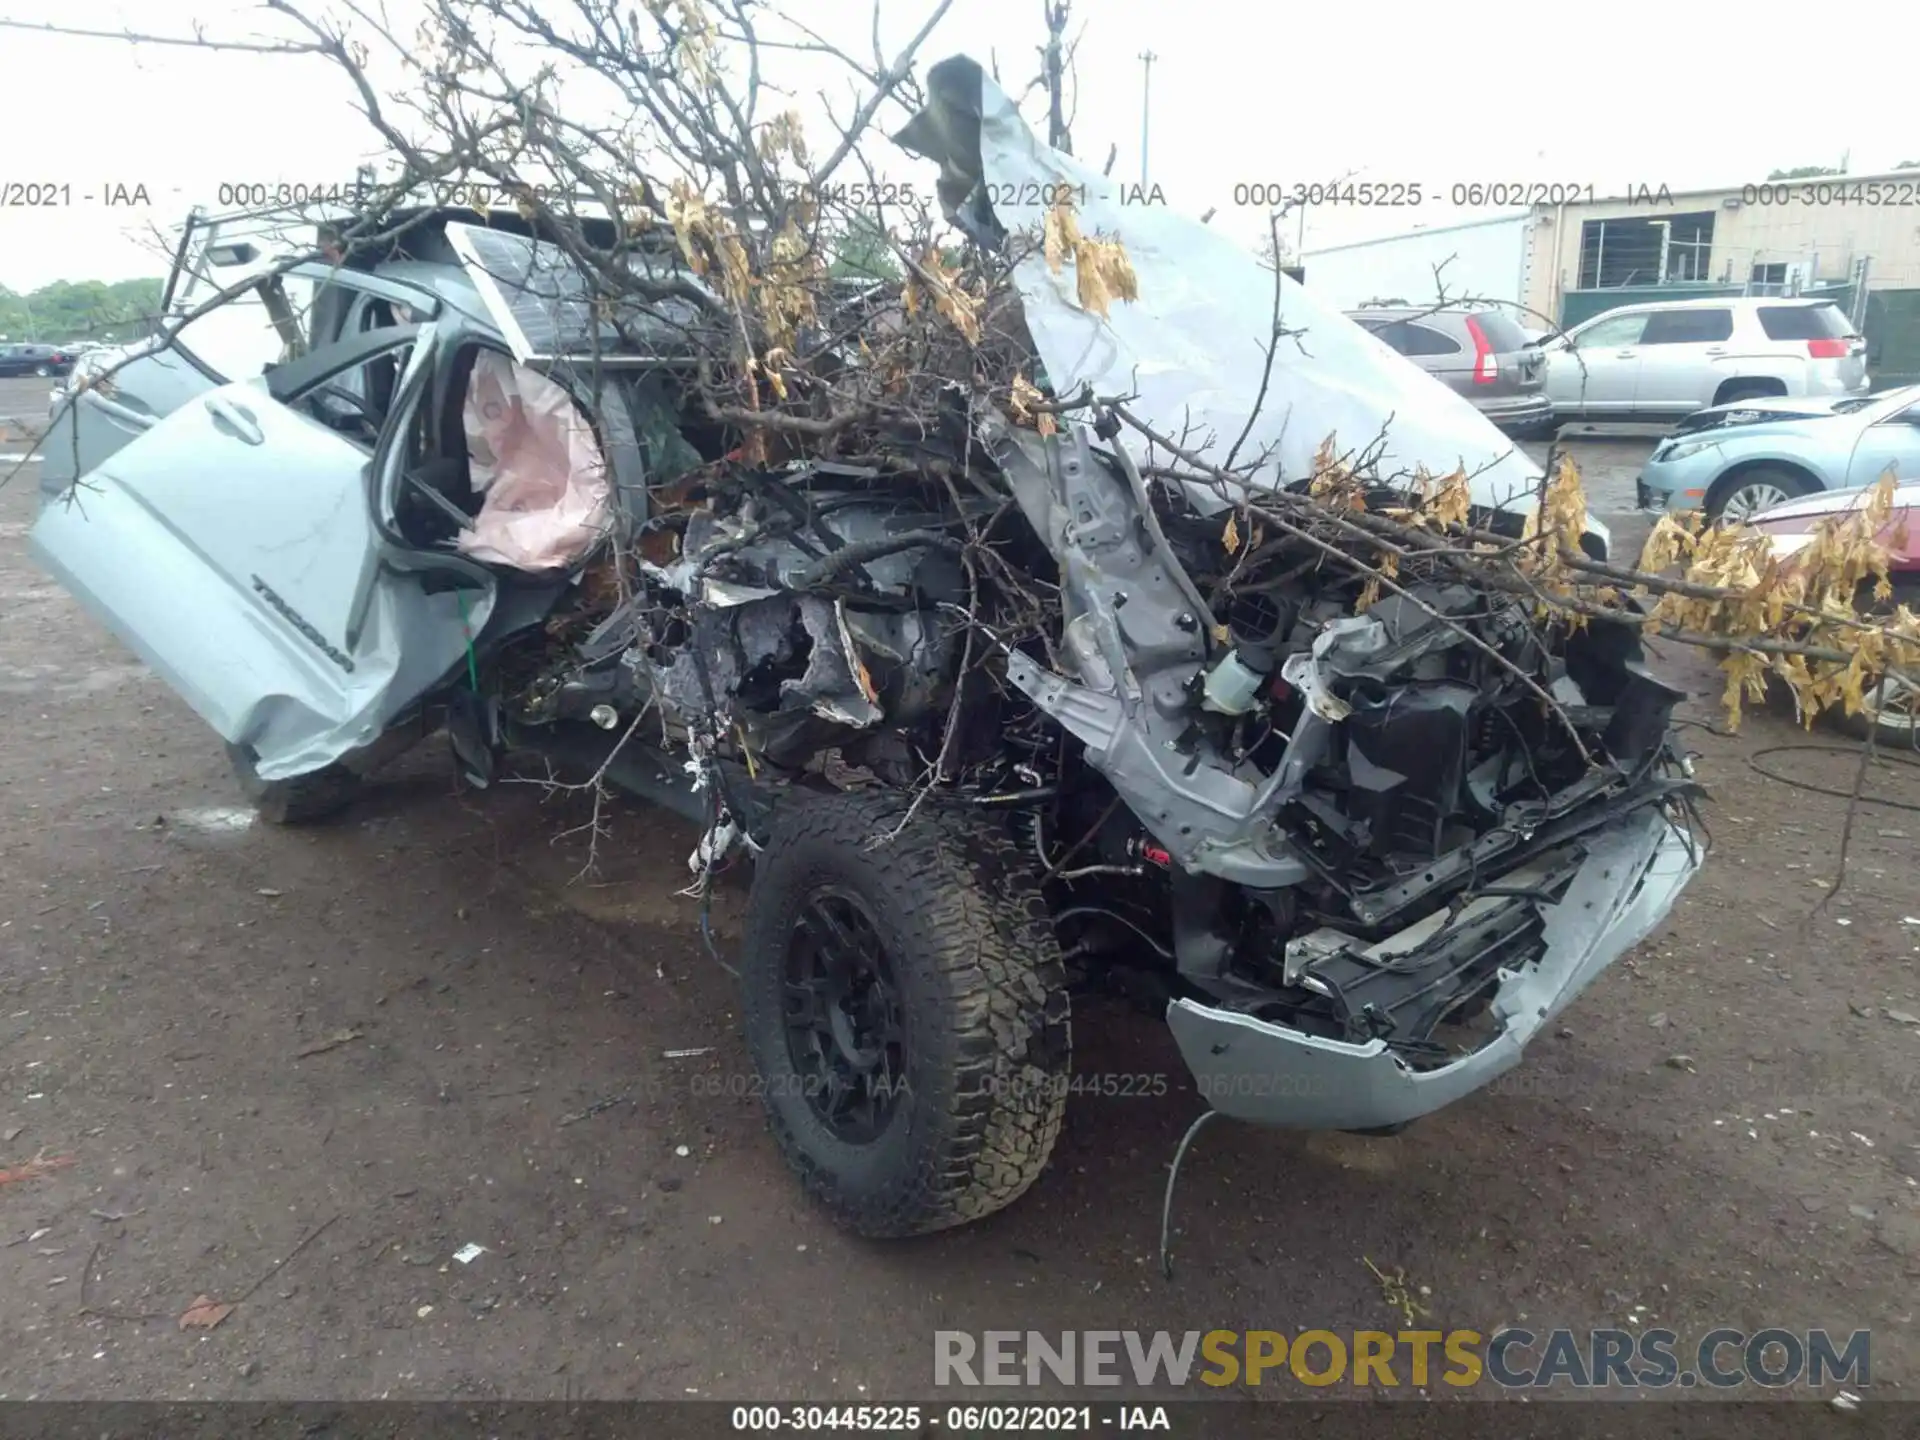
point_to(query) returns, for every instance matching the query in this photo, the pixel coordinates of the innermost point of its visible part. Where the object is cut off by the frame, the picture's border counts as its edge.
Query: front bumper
(1257, 1070)
(1679, 485)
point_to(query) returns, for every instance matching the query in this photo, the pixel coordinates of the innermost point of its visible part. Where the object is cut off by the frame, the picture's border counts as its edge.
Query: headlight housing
(1681, 449)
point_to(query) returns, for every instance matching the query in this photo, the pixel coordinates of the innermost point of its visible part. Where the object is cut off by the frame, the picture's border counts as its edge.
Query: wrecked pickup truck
(992, 713)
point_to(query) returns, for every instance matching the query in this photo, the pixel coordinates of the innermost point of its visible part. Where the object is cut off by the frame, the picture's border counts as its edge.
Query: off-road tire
(987, 1055)
(303, 800)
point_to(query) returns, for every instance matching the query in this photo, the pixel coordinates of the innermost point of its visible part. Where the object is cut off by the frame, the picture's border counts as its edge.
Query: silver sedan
(1734, 461)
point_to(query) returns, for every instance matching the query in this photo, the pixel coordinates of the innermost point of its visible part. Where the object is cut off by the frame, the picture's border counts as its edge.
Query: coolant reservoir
(1234, 682)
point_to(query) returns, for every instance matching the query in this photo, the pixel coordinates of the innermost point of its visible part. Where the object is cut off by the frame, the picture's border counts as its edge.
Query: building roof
(1506, 218)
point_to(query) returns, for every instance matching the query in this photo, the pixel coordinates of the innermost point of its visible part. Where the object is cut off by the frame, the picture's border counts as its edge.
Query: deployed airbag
(535, 458)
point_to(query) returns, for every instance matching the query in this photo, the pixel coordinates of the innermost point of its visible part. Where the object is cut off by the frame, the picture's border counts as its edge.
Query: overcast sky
(1632, 94)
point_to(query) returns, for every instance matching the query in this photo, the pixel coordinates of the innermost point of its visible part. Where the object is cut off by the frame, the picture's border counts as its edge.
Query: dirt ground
(297, 1070)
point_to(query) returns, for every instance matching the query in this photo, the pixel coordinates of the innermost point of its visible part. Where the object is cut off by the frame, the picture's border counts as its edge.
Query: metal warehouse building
(1854, 238)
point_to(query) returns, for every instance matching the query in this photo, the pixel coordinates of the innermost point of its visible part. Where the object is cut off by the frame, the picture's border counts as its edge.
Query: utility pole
(1053, 62)
(1147, 57)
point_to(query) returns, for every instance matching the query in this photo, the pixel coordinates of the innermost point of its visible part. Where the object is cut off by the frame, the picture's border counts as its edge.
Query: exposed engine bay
(1245, 780)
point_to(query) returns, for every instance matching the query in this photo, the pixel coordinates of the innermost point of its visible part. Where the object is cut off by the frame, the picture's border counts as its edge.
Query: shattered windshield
(549, 308)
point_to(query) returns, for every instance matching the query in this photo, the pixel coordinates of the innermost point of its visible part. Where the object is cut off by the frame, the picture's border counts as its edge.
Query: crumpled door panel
(247, 574)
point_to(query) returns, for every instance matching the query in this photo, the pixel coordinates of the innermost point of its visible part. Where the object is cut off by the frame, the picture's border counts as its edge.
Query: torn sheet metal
(262, 605)
(1307, 672)
(1191, 348)
(767, 643)
(534, 457)
(1275, 1074)
(1134, 640)
(733, 642)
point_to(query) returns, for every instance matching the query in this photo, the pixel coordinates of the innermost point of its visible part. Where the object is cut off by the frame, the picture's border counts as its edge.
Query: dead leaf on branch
(785, 288)
(1060, 234)
(1102, 273)
(1672, 538)
(708, 243)
(783, 135)
(771, 366)
(950, 299)
(1025, 402)
(1388, 569)
(693, 33)
(1810, 597)
(1561, 518)
(1334, 483)
(1454, 503)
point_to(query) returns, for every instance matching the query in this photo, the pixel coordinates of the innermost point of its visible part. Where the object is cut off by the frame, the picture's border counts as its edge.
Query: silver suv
(1660, 362)
(1482, 355)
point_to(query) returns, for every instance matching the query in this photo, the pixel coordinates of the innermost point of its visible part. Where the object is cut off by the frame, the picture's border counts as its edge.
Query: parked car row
(1655, 362)
(1773, 422)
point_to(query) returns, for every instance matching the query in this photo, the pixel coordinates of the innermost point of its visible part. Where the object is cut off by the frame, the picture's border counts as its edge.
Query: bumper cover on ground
(1256, 1070)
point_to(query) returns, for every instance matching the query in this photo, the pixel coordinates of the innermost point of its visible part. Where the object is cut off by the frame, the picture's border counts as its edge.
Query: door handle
(1716, 350)
(230, 418)
(1625, 354)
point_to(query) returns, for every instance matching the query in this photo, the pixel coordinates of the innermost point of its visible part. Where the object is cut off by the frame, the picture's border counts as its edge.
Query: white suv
(1662, 361)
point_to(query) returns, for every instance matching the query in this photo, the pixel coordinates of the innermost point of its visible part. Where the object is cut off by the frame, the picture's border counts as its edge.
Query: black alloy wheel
(846, 1032)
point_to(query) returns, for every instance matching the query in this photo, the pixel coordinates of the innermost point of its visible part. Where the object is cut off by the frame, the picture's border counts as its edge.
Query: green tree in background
(79, 310)
(861, 251)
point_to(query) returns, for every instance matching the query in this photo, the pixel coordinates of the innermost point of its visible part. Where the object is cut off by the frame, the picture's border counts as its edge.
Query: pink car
(1893, 706)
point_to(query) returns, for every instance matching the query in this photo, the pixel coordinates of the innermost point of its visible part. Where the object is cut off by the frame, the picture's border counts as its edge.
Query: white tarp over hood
(1192, 347)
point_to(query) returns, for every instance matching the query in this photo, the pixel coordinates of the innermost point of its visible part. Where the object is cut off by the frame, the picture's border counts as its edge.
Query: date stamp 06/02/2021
(50, 192)
(1835, 191)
